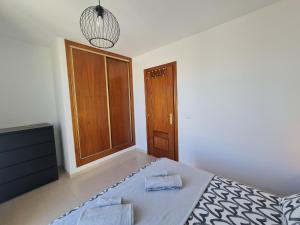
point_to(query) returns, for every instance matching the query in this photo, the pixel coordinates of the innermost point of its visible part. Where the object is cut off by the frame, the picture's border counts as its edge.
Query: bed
(204, 199)
(228, 202)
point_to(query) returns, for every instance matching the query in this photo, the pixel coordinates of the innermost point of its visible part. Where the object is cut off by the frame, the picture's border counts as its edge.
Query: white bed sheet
(153, 208)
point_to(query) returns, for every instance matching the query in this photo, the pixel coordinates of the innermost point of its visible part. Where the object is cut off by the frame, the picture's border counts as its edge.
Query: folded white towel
(163, 183)
(102, 201)
(160, 173)
(108, 215)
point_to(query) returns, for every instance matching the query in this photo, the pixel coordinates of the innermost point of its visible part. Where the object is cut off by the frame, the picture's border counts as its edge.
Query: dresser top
(24, 128)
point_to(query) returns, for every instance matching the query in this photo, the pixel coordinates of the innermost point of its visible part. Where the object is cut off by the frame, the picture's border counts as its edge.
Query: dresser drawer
(20, 155)
(12, 173)
(17, 187)
(22, 139)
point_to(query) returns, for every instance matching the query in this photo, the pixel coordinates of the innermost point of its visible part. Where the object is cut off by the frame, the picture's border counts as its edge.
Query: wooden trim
(131, 103)
(69, 45)
(175, 110)
(97, 51)
(72, 101)
(107, 100)
(175, 102)
(147, 110)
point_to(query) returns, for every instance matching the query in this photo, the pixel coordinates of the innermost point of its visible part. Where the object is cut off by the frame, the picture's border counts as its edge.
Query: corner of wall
(63, 103)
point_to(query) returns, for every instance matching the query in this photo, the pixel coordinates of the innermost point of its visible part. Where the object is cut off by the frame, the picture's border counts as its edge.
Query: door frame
(175, 103)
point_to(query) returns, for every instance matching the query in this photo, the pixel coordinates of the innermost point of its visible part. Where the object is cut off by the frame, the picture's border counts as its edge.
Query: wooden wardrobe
(101, 95)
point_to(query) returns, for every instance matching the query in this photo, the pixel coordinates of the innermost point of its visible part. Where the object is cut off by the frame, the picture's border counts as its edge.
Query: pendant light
(99, 26)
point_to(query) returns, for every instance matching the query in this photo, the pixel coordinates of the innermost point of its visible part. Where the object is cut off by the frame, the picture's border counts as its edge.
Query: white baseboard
(99, 162)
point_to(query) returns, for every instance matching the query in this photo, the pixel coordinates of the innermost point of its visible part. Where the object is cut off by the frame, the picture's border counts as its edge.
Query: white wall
(63, 106)
(238, 97)
(26, 86)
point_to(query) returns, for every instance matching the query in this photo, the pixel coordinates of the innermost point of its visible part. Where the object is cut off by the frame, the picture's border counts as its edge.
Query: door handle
(171, 118)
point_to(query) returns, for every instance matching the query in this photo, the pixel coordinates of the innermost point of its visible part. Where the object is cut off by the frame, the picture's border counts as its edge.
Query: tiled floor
(41, 206)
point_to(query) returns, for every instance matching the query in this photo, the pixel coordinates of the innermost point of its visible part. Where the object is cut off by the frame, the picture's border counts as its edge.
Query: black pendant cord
(100, 9)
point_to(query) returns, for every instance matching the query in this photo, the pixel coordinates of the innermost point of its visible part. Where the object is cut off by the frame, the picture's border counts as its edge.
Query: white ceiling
(145, 24)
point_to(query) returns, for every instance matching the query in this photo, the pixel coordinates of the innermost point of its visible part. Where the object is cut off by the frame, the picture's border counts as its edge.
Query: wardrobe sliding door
(101, 101)
(119, 100)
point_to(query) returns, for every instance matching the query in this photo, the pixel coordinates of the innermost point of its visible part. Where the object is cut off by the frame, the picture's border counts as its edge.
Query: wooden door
(91, 98)
(120, 101)
(161, 110)
(101, 97)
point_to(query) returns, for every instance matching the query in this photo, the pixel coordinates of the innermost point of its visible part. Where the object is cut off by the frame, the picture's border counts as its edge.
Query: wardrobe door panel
(91, 103)
(119, 101)
(100, 85)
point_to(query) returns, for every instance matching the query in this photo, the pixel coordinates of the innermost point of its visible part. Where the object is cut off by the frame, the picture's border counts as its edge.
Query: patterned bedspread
(228, 202)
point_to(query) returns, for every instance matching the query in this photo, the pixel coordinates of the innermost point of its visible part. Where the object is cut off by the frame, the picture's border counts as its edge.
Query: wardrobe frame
(70, 45)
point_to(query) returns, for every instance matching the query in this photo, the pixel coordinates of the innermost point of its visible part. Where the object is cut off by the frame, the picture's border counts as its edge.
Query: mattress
(228, 202)
(171, 207)
(204, 200)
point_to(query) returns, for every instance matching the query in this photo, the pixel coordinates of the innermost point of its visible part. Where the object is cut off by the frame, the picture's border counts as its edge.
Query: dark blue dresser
(27, 159)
